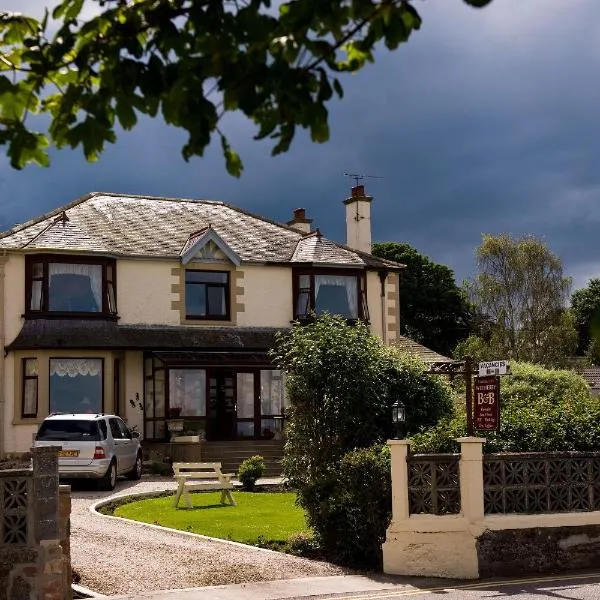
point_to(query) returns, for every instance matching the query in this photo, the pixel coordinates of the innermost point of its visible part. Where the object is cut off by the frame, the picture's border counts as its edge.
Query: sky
(486, 121)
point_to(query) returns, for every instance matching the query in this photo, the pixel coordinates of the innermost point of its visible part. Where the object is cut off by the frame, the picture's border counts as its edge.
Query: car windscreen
(68, 431)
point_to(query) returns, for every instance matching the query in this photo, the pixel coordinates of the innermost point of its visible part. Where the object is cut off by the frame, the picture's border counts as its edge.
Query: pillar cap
(471, 440)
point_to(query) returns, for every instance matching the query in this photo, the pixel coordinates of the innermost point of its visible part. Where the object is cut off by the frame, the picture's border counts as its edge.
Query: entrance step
(229, 454)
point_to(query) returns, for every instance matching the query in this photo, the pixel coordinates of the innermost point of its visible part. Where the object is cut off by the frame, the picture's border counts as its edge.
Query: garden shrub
(540, 410)
(250, 470)
(303, 544)
(341, 382)
(351, 511)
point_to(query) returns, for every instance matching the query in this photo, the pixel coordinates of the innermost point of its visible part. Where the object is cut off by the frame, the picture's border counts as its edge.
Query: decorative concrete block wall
(495, 515)
(33, 563)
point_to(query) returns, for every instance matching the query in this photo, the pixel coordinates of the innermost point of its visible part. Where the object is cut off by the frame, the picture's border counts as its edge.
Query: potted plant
(174, 423)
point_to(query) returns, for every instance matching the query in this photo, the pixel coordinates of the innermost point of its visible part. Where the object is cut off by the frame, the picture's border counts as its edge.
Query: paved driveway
(118, 557)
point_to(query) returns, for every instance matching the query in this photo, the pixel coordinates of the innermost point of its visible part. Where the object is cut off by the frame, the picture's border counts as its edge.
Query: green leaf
(126, 114)
(92, 135)
(337, 86)
(232, 159)
(477, 3)
(26, 147)
(68, 10)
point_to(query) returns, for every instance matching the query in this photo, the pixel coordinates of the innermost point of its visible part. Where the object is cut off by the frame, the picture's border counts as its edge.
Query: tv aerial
(358, 177)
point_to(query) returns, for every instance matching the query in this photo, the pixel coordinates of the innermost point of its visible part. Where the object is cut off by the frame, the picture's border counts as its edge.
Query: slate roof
(144, 226)
(81, 333)
(427, 355)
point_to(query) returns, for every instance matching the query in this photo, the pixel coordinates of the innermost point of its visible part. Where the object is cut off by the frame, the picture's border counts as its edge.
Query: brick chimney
(300, 222)
(358, 219)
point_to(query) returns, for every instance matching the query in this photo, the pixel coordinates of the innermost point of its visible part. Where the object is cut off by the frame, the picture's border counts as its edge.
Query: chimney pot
(300, 222)
(358, 191)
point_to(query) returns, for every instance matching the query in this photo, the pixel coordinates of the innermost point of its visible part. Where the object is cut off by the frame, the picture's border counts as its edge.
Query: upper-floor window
(70, 285)
(207, 295)
(339, 293)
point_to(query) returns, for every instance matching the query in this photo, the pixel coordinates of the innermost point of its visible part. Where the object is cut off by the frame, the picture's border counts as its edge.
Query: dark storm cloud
(486, 121)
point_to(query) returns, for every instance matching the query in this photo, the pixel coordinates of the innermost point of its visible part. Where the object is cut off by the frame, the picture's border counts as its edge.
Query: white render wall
(144, 293)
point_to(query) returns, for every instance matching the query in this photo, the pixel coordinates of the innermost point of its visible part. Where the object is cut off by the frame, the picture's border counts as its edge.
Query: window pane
(30, 396)
(112, 302)
(245, 396)
(304, 282)
(149, 397)
(303, 305)
(336, 294)
(268, 428)
(206, 276)
(160, 430)
(187, 389)
(216, 302)
(31, 367)
(271, 392)
(36, 295)
(159, 393)
(37, 270)
(76, 385)
(195, 300)
(74, 288)
(245, 429)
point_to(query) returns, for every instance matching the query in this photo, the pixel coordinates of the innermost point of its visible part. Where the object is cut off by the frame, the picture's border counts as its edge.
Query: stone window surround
(236, 292)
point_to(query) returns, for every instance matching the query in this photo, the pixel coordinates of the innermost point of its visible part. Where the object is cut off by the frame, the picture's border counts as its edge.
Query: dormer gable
(208, 246)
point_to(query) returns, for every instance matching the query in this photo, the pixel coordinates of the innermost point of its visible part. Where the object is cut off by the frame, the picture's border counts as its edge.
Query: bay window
(67, 286)
(340, 293)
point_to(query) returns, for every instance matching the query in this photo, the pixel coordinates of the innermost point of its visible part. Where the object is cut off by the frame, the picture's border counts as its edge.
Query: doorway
(221, 410)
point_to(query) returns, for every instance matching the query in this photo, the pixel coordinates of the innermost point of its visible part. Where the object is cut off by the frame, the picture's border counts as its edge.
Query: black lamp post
(398, 418)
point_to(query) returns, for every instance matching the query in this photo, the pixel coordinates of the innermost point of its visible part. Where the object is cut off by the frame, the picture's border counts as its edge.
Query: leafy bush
(342, 382)
(540, 410)
(250, 470)
(351, 511)
(303, 544)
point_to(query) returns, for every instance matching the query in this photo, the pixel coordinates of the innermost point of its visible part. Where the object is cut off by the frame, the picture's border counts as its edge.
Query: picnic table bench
(201, 476)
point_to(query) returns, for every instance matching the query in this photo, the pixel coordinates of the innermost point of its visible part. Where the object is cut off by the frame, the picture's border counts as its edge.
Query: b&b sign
(494, 367)
(486, 416)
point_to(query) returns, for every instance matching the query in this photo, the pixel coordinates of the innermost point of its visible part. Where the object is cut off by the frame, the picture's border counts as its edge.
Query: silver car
(92, 447)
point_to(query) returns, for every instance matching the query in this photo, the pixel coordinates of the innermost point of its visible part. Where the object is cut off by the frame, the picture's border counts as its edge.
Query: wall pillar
(398, 453)
(471, 478)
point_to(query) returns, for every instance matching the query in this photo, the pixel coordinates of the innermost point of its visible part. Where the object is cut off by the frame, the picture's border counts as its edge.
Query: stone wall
(34, 565)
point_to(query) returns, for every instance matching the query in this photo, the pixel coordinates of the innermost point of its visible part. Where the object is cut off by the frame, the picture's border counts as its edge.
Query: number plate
(68, 452)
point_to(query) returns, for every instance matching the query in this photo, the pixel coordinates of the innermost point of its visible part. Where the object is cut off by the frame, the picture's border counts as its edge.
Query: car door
(129, 444)
(120, 442)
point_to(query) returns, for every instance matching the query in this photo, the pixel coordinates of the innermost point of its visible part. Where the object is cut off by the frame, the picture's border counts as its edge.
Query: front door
(221, 410)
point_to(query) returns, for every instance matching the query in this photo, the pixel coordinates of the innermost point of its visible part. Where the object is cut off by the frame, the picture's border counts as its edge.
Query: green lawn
(268, 516)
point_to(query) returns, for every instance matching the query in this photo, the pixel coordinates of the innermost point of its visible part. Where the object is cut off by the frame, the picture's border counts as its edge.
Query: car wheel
(136, 472)
(109, 481)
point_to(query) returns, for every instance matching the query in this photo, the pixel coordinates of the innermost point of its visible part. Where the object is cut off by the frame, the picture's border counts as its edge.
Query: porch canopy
(171, 343)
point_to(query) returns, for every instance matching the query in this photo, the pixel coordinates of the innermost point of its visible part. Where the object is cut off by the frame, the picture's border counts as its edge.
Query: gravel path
(117, 557)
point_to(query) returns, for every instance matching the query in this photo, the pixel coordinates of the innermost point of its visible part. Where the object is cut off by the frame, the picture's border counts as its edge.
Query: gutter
(3, 261)
(382, 277)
